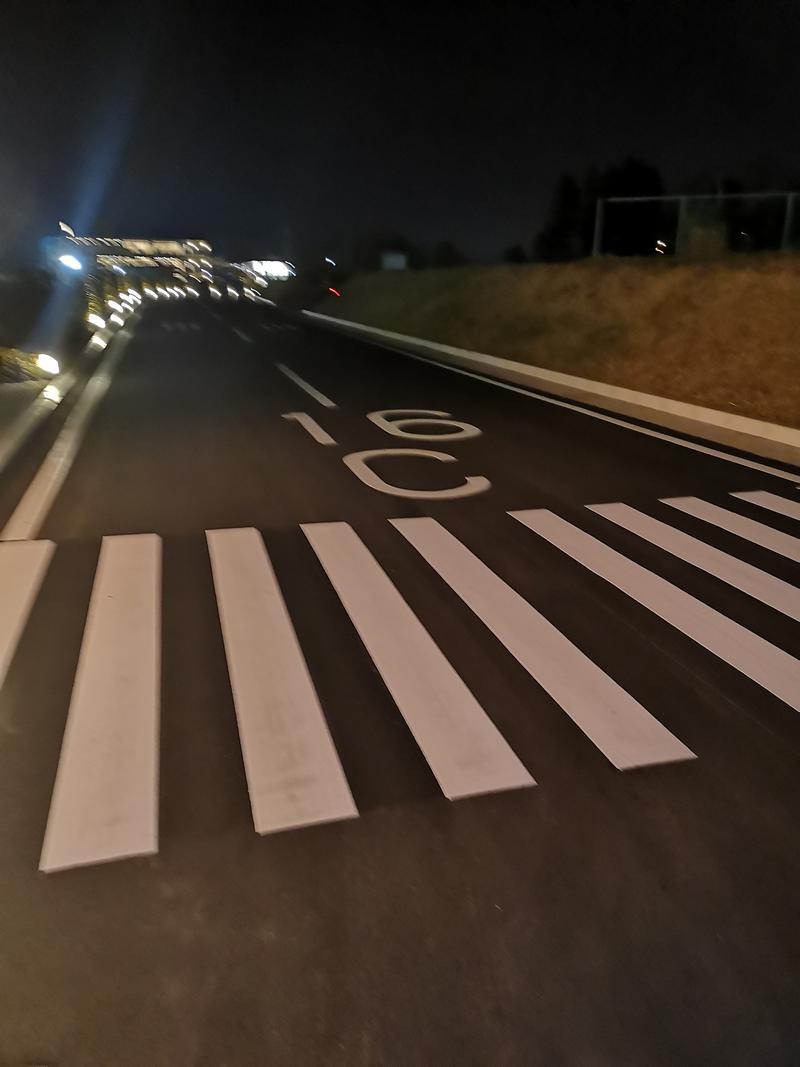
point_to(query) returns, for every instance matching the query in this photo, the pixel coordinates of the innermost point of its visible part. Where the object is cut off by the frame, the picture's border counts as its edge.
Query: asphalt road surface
(332, 738)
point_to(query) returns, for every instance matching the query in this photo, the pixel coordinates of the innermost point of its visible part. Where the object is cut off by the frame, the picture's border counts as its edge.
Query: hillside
(723, 334)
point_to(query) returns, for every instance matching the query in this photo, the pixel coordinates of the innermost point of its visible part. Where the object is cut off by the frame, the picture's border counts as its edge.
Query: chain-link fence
(697, 226)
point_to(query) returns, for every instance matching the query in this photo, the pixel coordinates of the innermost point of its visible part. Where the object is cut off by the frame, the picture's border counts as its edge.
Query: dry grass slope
(724, 334)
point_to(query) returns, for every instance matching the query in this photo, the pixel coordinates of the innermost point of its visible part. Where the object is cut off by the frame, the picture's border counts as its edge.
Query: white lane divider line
(311, 426)
(23, 566)
(105, 800)
(771, 667)
(294, 776)
(735, 572)
(464, 749)
(772, 502)
(305, 386)
(31, 511)
(627, 734)
(755, 532)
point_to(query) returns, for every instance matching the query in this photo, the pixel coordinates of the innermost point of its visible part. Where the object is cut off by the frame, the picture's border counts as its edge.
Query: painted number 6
(398, 422)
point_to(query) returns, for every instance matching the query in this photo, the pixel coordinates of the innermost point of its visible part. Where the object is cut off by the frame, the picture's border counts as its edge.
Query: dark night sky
(243, 123)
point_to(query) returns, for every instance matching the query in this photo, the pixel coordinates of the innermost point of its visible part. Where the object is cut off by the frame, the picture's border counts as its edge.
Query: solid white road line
(756, 532)
(311, 426)
(659, 435)
(771, 667)
(773, 502)
(304, 385)
(22, 570)
(293, 772)
(105, 800)
(617, 724)
(756, 583)
(464, 749)
(32, 510)
(40, 408)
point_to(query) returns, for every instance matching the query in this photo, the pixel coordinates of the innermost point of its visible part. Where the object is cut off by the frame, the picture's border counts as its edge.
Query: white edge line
(659, 435)
(40, 494)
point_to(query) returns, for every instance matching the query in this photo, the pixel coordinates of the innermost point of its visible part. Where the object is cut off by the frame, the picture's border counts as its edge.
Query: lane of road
(606, 679)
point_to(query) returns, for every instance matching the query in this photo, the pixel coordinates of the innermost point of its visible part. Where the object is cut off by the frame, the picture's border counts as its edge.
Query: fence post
(597, 240)
(788, 221)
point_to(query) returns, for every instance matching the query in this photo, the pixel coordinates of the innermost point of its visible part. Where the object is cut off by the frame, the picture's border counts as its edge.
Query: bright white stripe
(620, 727)
(756, 583)
(773, 502)
(293, 772)
(32, 510)
(770, 667)
(22, 570)
(311, 426)
(707, 450)
(465, 750)
(105, 800)
(756, 532)
(304, 385)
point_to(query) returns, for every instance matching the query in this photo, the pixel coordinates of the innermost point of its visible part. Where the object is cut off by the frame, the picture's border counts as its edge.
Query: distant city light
(334, 291)
(330, 261)
(272, 268)
(53, 393)
(47, 363)
(66, 229)
(150, 292)
(70, 261)
(117, 319)
(114, 304)
(119, 269)
(215, 292)
(96, 320)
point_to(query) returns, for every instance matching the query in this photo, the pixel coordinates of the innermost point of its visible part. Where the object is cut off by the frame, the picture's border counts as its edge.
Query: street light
(70, 262)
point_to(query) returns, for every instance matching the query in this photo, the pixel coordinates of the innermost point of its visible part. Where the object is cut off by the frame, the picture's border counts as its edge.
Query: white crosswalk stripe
(104, 803)
(464, 749)
(293, 773)
(105, 799)
(765, 536)
(620, 727)
(771, 667)
(757, 583)
(772, 502)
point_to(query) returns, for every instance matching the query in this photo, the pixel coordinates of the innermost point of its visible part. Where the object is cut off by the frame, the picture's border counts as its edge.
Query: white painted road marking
(23, 566)
(358, 462)
(617, 724)
(756, 583)
(293, 772)
(733, 522)
(105, 799)
(305, 386)
(311, 426)
(465, 750)
(32, 510)
(771, 667)
(773, 502)
(716, 453)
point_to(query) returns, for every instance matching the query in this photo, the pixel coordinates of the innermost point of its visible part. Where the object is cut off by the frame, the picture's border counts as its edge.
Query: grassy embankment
(722, 334)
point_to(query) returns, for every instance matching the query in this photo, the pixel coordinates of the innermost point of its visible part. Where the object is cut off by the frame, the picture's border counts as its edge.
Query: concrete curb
(764, 439)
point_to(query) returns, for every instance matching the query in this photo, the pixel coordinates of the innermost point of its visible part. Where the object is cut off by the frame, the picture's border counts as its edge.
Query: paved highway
(328, 737)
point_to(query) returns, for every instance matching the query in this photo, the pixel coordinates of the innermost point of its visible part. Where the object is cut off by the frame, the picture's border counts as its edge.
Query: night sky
(271, 129)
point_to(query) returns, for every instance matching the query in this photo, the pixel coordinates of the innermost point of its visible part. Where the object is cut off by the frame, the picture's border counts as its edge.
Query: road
(283, 781)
